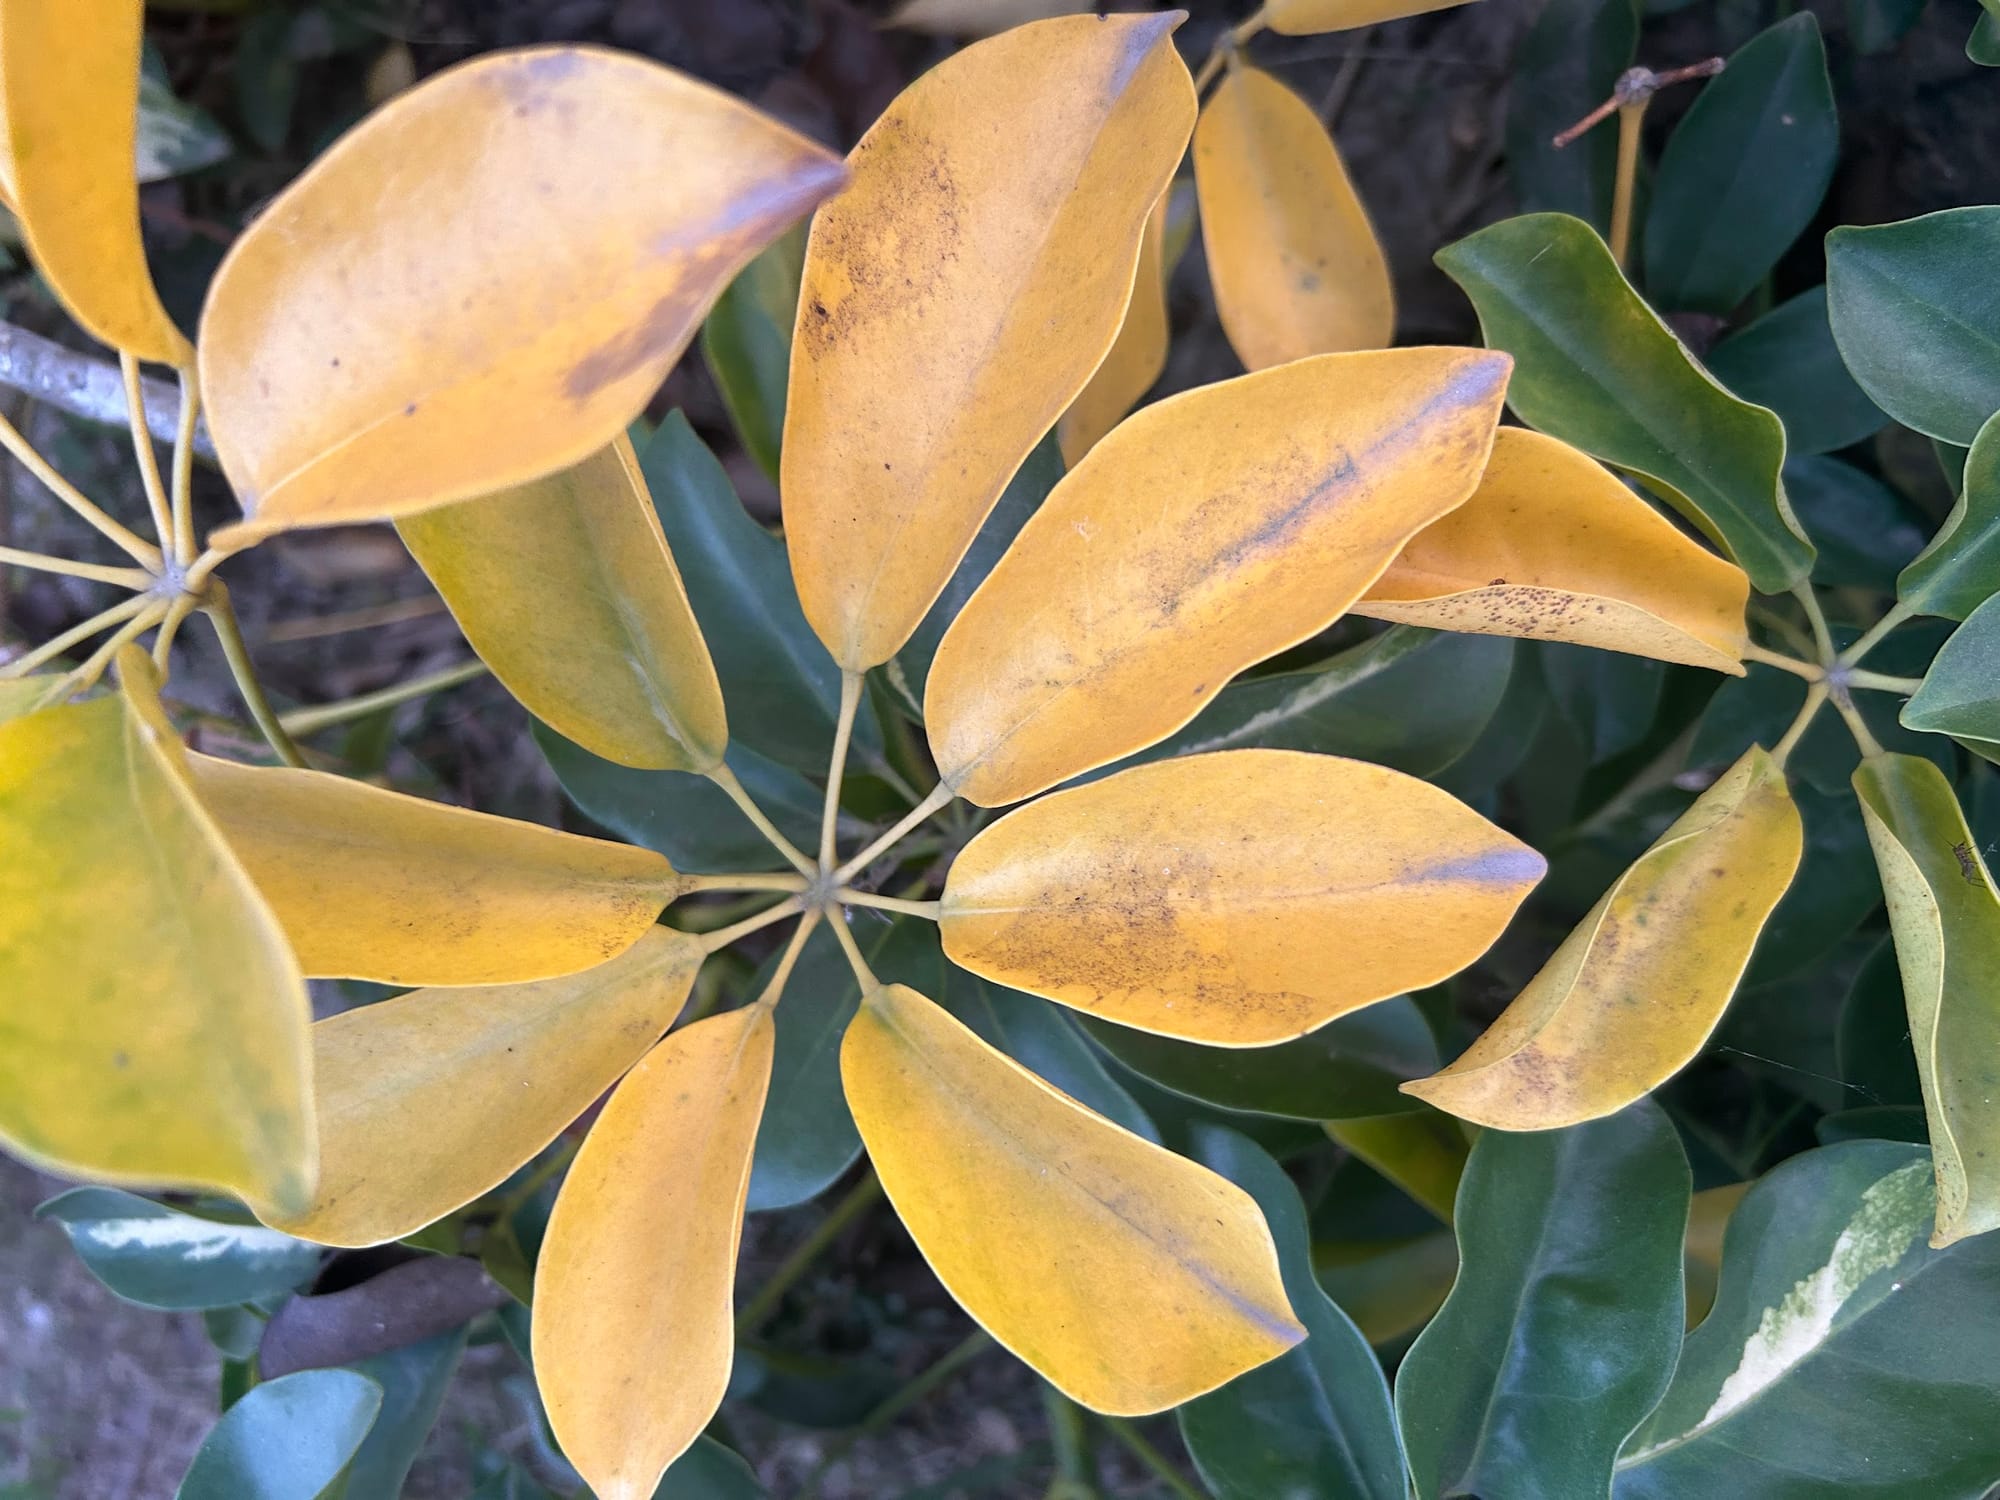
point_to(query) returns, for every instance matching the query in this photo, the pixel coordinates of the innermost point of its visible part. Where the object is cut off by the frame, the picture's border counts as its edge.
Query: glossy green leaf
(709, 1471)
(1787, 361)
(1561, 1330)
(1566, 66)
(174, 136)
(1960, 569)
(1917, 316)
(1983, 45)
(747, 342)
(1833, 892)
(1877, 25)
(1743, 172)
(1390, 1288)
(1597, 368)
(1961, 692)
(159, 1256)
(1872, 1044)
(1350, 1068)
(1842, 1356)
(1945, 915)
(413, 1380)
(1423, 1153)
(1865, 531)
(1317, 1420)
(288, 1439)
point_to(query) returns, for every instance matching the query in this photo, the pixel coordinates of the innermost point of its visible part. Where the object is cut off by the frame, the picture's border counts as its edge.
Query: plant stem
(949, 1364)
(1856, 725)
(1069, 1436)
(1816, 696)
(199, 570)
(325, 715)
(85, 677)
(1882, 683)
(1874, 634)
(843, 733)
(1794, 636)
(863, 975)
(776, 880)
(1808, 670)
(49, 650)
(926, 909)
(1136, 1444)
(1226, 46)
(144, 553)
(222, 615)
(1630, 117)
(722, 937)
(182, 494)
(182, 606)
(788, 960)
(941, 796)
(1816, 617)
(142, 449)
(855, 1202)
(725, 778)
(41, 562)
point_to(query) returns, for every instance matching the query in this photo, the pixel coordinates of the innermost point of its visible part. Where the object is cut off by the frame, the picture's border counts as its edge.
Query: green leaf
(1961, 692)
(1597, 368)
(1983, 45)
(267, 77)
(413, 1380)
(1842, 1356)
(709, 1471)
(1874, 1122)
(747, 342)
(1423, 1154)
(1877, 25)
(174, 136)
(1317, 1420)
(1560, 1332)
(1744, 171)
(1566, 66)
(1917, 317)
(1610, 700)
(1960, 569)
(1787, 360)
(1348, 1069)
(288, 1439)
(158, 1256)
(1872, 1045)
(1864, 530)
(1832, 894)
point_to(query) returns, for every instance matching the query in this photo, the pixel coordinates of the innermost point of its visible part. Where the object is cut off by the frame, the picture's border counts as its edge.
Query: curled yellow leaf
(1552, 547)
(1311, 17)
(1207, 532)
(154, 1023)
(566, 589)
(484, 281)
(1138, 354)
(1130, 1278)
(633, 1332)
(1294, 260)
(432, 1098)
(69, 88)
(371, 884)
(958, 296)
(1633, 993)
(1240, 899)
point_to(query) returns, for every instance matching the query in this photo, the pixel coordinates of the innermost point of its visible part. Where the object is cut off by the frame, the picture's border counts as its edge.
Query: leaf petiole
(325, 715)
(788, 960)
(725, 778)
(49, 650)
(1873, 636)
(222, 615)
(926, 909)
(128, 578)
(722, 937)
(863, 975)
(1856, 725)
(776, 880)
(941, 796)
(142, 450)
(1811, 671)
(843, 734)
(181, 497)
(1816, 696)
(1816, 617)
(137, 548)
(1881, 682)
(85, 677)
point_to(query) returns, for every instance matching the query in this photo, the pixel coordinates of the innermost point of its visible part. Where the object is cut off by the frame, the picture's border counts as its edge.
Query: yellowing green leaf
(1240, 899)
(370, 884)
(1553, 548)
(69, 88)
(1633, 993)
(1708, 1217)
(958, 296)
(432, 1098)
(1295, 263)
(484, 281)
(152, 1022)
(633, 1332)
(1308, 17)
(1207, 532)
(566, 589)
(1138, 354)
(1131, 1278)
(1945, 915)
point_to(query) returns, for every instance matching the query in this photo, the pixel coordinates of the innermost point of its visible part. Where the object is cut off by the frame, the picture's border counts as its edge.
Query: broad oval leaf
(566, 589)
(1153, 1280)
(633, 1331)
(287, 1439)
(1743, 172)
(413, 1380)
(1917, 317)
(1787, 361)
(1561, 1329)
(1308, 17)
(1960, 569)
(432, 1098)
(1552, 547)
(1841, 1353)
(1866, 532)
(467, 292)
(1945, 914)
(747, 344)
(1960, 695)
(371, 884)
(159, 1256)
(69, 89)
(958, 296)
(1137, 355)
(1237, 899)
(1295, 263)
(1598, 369)
(1207, 532)
(155, 1019)
(1633, 993)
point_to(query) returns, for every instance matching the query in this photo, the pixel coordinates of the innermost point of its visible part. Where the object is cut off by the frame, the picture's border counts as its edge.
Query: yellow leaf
(154, 1023)
(1137, 356)
(1132, 1279)
(1708, 1220)
(1423, 1153)
(1633, 993)
(484, 281)
(1209, 531)
(1945, 914)
(1293, 258)
(632, 1329)
(370, 884)
(1551, 547)
(432, 1098)
(956, 299)
(69, 86)
(1241, 898)
(1309, 17)
(565, 588)
(20, 694)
